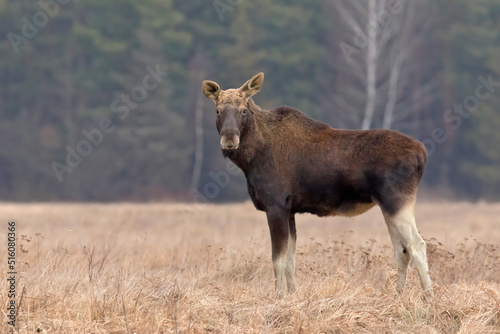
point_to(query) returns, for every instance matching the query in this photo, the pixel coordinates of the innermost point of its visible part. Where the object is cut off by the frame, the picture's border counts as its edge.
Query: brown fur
(294, 164)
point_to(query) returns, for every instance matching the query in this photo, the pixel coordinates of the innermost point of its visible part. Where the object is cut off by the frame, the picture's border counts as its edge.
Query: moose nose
(230, 141)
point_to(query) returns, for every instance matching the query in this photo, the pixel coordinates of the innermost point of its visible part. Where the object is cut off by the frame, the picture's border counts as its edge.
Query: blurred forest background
(84, 119)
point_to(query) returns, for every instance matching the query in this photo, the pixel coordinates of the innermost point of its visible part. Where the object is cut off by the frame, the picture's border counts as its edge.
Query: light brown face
(231, 97)
(232, 108)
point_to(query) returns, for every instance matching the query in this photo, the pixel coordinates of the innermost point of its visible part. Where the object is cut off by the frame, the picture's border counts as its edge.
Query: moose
(294, 164)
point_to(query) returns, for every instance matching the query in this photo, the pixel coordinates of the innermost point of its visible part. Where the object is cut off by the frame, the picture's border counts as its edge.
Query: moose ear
(211, 89)
(253, 86)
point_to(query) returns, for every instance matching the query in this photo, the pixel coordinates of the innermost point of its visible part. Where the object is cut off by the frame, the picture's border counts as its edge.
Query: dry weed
(131, 268)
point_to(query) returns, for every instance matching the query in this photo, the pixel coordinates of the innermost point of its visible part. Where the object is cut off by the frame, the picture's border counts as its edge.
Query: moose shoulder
(294, 164)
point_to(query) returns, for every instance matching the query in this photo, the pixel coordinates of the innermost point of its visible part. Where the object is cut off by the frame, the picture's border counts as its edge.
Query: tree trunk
(371, 67)
(198, 150)
(393, 91)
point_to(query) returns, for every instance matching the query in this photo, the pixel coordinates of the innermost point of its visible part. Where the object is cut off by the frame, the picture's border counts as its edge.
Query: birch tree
(380, 56)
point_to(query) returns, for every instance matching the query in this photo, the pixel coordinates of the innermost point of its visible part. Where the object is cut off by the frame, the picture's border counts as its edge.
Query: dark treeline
(101, 100)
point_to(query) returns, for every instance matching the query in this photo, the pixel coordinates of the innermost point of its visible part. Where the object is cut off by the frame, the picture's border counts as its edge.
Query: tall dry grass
(155, 268)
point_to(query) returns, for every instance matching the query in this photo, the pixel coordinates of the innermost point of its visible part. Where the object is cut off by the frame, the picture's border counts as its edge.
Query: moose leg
(407, 243)
(401, 253)
(278, 226)
(290, 256)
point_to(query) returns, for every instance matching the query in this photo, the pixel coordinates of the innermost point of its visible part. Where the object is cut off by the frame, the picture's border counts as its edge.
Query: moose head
(231, 107)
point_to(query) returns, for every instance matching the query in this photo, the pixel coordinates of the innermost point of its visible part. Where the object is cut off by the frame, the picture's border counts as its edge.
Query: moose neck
(251, 138)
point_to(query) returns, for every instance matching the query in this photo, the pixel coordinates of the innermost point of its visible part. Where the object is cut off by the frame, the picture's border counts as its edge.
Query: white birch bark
(371, 66)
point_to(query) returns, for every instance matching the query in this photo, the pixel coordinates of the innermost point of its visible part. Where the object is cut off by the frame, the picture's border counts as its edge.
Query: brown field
(165, 268)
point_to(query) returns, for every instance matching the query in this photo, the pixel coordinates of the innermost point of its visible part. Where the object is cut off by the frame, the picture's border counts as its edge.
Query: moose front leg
(277, 219)
(290, 265)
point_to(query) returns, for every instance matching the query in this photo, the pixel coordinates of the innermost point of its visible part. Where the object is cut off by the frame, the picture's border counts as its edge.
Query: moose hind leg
(278, 227)
(408, 243)
(290, 256)
(401, 253)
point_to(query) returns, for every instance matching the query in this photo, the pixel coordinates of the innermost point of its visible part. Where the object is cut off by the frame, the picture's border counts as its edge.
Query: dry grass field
(171, 268)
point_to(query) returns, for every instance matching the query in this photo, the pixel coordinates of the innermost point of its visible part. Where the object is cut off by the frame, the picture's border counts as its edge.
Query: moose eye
(217, 111)
(244, 111)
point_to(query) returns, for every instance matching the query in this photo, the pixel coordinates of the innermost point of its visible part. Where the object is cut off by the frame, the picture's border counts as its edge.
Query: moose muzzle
(230, 133)
(230, 139)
